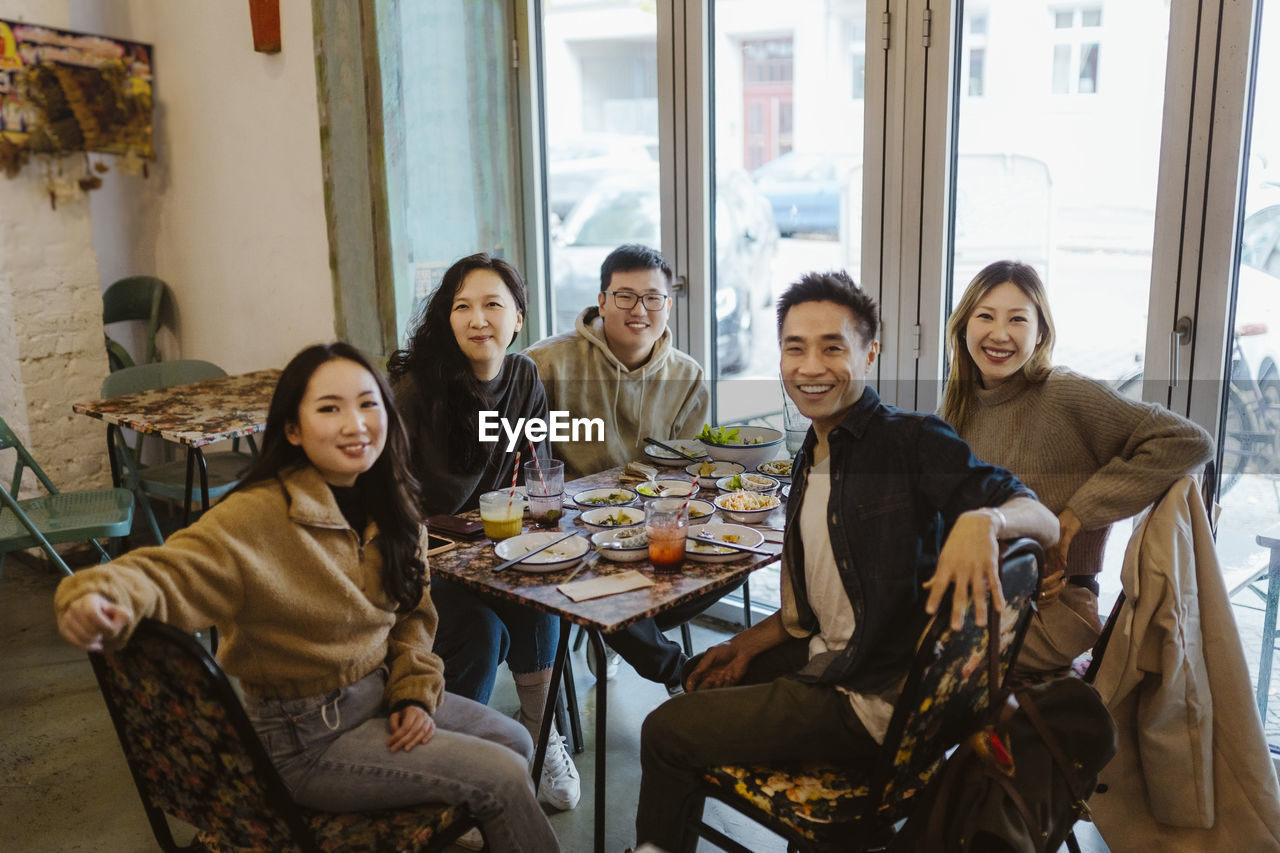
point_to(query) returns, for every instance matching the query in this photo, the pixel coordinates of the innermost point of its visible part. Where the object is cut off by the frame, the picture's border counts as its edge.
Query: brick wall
(51, 352)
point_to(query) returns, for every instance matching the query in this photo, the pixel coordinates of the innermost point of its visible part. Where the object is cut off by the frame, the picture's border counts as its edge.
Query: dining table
(194, 415)
(471, 564)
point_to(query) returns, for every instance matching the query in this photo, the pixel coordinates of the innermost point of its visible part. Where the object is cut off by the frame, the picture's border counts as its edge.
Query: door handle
(1180, 336)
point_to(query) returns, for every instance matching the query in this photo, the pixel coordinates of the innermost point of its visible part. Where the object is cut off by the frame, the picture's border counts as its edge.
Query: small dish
(785, 491)
(778, 469)
(718, 470)
(610, 518)
(748, 483)
(555, 558)
(706, 553)
(700, 512)
(663, 456)
(666, 488)
(622, 546)
(592, 498)
(746, 507)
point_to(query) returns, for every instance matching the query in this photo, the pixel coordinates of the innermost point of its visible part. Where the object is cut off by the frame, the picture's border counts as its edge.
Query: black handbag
(1021, 782)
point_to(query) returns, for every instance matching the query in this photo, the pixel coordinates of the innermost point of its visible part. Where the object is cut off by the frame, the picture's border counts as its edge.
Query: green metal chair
(138, 297)
(168, 479)
(57, 517)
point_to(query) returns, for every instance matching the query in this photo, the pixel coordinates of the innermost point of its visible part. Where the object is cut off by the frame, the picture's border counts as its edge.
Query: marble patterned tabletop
(197, 414)
(471, 562)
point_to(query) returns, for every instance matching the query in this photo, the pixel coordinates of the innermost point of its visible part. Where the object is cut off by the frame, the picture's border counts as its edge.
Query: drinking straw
(537, 463)
(515, 473)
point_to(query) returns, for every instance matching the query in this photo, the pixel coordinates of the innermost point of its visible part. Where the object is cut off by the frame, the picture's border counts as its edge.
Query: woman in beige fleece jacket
(314, 573)
(1092, 456)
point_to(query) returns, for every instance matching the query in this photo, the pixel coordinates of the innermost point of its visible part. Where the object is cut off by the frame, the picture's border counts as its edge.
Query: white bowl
(555, 558)
(778, 469)
(745, 482)
(747, 516)
(786, 492)
(595, 520)
(662, 456)
(592, 498)
(621, 555)
(720, 469)
(706, 508)
(711, 554)
(672, 488)
(758, 444)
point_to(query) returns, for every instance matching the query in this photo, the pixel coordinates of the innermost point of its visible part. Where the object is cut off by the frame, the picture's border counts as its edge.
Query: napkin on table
(600, 587)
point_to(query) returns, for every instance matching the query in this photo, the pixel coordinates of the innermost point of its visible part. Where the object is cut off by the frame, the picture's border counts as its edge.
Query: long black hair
(389, 491)
(435, 363)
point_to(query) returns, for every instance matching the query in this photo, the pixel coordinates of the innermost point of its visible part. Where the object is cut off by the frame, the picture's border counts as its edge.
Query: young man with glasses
(619, 364)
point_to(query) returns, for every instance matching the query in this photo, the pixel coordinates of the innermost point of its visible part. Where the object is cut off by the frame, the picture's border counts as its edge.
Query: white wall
(232, 217)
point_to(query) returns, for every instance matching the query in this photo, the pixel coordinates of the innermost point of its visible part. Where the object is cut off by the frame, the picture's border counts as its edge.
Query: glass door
(788, 110)
(600, 119)
(1056, 152)
(1249, 485)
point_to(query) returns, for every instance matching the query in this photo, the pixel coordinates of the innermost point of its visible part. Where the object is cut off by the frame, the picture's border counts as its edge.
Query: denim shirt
(899, 481)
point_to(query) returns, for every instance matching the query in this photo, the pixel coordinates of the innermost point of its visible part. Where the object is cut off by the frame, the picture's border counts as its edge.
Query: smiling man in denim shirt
(888, 510)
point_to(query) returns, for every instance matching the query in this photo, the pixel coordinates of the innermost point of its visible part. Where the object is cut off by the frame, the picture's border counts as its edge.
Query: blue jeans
(331, 751)
(476, 634)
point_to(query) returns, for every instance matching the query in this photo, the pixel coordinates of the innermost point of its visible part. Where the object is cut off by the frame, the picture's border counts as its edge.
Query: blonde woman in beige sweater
(1092, 456)
(314, 573)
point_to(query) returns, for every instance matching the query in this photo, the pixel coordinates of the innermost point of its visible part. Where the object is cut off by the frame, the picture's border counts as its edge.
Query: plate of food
(559, 556)
(662, 456)
(612, 518)
(747, 507)
(667, 488)
(700, 512)
(709, 471)
(592, 498)
(622, 546)
(735, 534)
(779, 469)
(747, 483)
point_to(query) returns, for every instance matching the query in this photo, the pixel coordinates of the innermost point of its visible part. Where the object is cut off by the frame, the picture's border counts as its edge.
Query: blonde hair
(964, 377)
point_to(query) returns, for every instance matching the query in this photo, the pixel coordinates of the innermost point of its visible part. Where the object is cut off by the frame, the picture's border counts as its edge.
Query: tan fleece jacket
(666, 397)
(298, 598)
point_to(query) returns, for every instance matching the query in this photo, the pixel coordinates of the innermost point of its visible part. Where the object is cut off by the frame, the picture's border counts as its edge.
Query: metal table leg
(549, 709)
(602, 708)
(195, 457)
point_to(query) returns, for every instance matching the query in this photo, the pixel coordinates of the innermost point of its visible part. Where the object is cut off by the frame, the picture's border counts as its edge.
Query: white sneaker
(611, 661)
(471, 839)
(560, 785)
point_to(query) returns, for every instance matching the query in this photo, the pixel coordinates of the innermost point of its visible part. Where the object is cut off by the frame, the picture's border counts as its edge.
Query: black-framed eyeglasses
(626, 300)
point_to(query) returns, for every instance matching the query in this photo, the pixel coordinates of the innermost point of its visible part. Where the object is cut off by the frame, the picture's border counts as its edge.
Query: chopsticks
(665, 446)
(707, 540)
(509, 563)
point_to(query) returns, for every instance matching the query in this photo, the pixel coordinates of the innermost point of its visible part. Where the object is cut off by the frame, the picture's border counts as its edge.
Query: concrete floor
(64, 784)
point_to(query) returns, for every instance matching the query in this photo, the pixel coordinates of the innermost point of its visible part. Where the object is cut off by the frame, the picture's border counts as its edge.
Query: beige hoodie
(666, 397)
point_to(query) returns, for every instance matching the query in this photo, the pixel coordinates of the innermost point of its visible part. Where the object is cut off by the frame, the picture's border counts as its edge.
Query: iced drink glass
(501, 514)
(544, 481)
(666, 524)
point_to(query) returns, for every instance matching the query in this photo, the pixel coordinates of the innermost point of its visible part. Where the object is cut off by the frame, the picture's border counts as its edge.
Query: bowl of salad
(612, 518)
(778, 469)
(668, 488)
(710, 471)
(746, 445)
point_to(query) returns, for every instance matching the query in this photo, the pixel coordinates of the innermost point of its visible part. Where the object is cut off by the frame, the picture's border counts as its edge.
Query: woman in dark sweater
(454, 367)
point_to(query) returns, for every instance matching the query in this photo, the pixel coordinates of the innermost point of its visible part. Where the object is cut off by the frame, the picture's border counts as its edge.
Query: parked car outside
(626, 208)
(575, 166)
(806, 191)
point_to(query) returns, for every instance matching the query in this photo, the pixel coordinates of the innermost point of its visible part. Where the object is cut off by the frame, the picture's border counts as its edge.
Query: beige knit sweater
(1082, 446)
(666, 397)
(298, 598)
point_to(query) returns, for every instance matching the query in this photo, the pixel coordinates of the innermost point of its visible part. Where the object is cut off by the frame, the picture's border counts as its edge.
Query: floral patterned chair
(194, 755)
(826, 806)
